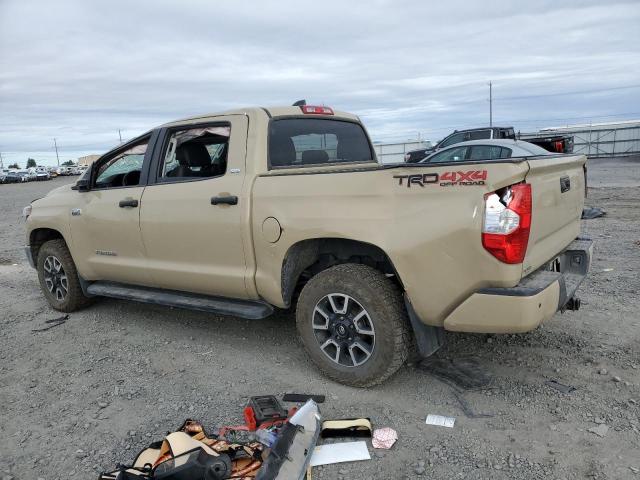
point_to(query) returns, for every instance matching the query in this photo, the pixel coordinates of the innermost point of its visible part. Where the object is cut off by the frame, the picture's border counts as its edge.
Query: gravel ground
(80, 397)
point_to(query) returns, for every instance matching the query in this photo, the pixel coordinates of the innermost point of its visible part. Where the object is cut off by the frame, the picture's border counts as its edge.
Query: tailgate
(558, 189)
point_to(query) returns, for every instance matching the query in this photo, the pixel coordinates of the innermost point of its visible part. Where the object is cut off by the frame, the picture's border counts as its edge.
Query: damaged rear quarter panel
(431, 233)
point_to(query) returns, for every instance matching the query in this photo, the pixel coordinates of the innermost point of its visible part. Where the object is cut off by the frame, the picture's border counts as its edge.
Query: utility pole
(1, 164)
(55, 145)
(490, 105)
(120, 135)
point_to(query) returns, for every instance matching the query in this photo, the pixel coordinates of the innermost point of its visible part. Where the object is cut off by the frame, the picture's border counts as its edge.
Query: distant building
(88, 160)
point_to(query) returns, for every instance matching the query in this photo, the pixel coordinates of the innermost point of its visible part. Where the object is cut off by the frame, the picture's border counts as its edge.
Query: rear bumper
(533, 301)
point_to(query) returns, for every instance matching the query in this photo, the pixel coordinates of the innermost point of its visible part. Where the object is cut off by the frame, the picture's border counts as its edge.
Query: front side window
(123, 169)
(456, 154)
(452, 139)
(297, 142)
(196, 153)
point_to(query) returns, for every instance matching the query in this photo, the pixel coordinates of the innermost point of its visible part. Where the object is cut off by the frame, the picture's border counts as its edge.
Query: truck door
(191, 215)
(105, 221)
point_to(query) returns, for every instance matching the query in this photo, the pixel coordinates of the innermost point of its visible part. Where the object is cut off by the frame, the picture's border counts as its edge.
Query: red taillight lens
(310, 109)
(507, 221)
(559, 147)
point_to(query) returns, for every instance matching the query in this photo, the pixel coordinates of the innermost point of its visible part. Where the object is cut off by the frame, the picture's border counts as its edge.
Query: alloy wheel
(55, 278)
(343, 329)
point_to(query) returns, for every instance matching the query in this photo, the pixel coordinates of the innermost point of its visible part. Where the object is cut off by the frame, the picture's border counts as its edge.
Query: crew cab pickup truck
(252, 210)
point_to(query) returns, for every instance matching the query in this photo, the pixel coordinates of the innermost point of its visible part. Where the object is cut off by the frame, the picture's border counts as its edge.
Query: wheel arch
(39, 236)
(309, 257)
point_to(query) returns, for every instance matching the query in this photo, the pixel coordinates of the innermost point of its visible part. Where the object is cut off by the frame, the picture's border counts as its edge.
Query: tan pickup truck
(245, 211)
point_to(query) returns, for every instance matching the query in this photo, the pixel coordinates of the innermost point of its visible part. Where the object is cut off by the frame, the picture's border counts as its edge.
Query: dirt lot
(82, 396)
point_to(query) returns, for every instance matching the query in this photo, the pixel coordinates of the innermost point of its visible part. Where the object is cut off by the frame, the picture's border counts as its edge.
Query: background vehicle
(558, 144)
(13, 177)
(552, 143)
(478, 150)
(42, 173)
(25, 176)
(461, 136)
(242, 212)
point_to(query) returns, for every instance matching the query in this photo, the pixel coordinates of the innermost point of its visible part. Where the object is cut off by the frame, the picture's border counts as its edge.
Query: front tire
(354, 325)
(59, 278)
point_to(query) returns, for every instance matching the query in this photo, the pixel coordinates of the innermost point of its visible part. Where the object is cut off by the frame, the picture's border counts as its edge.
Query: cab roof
(271, 112)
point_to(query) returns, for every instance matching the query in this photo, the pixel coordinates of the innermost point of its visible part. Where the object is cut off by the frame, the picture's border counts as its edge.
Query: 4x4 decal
(445, 179)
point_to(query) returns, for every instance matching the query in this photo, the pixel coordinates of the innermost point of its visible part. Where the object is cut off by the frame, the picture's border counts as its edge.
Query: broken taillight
(310, 109)
(507, 220)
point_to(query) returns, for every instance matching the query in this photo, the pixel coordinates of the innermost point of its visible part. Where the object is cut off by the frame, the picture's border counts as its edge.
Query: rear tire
(59, 278)
(354, 325)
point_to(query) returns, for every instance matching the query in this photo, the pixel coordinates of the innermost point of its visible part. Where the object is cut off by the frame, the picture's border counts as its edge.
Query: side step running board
(223, 306)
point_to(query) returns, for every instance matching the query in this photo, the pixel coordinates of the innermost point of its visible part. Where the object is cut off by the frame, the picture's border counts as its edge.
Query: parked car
(557, 144)
(42, 174)
(262, 208)
(13, 177)
(458, 136)
(477, 150)
(24, 176)
(552, 143)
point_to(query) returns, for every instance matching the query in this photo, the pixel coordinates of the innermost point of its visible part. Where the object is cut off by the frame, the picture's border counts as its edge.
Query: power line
(574, 92)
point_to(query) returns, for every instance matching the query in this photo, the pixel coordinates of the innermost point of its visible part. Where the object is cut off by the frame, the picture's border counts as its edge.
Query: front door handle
(230, 200)
(129, 202)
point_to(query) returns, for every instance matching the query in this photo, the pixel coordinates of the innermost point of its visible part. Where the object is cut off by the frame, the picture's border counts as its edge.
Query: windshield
(297, 142)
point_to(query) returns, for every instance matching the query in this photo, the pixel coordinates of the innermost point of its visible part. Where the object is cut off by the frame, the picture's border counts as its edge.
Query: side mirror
(84, 182)
(81, 185)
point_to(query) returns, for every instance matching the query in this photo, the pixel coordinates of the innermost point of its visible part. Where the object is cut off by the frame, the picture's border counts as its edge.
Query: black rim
(55, 278)
(343, 329)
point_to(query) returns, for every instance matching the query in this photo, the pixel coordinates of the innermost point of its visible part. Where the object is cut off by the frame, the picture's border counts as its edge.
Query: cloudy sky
(80, 70)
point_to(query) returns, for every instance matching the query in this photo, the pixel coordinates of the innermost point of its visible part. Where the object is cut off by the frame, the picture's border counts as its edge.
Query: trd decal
(417, 179)
(446, 179)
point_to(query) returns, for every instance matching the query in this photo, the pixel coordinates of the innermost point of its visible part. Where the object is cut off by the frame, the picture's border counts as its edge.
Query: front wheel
(353, 323)
(58, 277)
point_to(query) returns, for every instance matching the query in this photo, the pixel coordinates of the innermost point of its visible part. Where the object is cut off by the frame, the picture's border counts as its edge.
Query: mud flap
(429, 339)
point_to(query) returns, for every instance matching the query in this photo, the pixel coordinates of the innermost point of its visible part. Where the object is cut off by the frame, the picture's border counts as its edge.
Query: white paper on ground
(440, 420)
(339, 452)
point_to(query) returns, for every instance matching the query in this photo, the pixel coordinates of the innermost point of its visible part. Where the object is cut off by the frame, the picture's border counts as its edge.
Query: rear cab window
(301, 142)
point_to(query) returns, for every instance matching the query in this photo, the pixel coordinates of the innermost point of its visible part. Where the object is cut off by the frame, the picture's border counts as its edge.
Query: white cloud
(79, 71)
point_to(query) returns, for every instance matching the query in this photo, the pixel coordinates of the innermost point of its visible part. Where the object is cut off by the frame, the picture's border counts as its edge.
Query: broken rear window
(297, 142)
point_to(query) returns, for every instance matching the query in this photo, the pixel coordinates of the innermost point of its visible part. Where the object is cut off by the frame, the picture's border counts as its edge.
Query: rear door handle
(230, 200)
(129, 202)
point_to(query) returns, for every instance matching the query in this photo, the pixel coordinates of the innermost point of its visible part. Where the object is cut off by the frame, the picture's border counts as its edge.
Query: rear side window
(506, 133)
(297, 142)
(196, 153)
(488, 152)
(478, 135)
